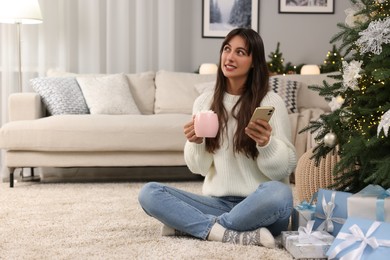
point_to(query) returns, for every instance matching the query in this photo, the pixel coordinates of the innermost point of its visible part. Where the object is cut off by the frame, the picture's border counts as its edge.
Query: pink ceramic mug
(206, 124)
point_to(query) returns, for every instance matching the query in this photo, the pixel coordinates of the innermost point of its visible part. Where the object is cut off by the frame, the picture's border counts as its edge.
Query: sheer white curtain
(89, 36)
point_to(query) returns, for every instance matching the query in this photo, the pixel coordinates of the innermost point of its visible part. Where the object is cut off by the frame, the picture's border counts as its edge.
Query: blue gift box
(331, 210)
(361, 239)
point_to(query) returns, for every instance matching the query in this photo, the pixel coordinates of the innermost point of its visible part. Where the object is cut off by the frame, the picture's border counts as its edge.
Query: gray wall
(304, 38)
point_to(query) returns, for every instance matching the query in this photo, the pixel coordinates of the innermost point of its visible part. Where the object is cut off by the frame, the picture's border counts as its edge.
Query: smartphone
(264, 113)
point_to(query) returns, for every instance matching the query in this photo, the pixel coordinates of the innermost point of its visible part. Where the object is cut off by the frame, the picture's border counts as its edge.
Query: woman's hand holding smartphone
(260, 131)
(264, 113)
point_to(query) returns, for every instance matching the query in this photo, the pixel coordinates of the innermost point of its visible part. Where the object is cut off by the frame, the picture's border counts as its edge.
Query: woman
(244, 198)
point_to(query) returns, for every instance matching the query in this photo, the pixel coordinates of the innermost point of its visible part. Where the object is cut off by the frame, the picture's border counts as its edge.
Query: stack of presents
(341, 225)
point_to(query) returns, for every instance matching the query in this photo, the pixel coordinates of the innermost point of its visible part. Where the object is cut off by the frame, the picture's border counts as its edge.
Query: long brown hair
(256, 87)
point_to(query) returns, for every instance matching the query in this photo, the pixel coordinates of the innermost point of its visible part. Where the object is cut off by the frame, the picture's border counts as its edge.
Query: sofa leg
(11, 177)
(32, 176)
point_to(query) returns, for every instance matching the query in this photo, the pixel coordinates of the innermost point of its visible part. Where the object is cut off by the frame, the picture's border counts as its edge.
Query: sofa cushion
(308, 98)
(287, 90)
(94, 133)
(175, 91)
(108, 95)
(143, 90)
(141, 86)
(60, 95)
(205, 86)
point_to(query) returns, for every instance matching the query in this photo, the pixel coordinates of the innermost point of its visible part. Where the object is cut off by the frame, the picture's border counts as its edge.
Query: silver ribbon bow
(328, 207)
(306, 235)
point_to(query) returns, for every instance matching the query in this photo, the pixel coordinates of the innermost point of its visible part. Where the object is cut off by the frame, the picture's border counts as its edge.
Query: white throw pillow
(175, 91)
(205, 87)
(143, 90)
(108, 94)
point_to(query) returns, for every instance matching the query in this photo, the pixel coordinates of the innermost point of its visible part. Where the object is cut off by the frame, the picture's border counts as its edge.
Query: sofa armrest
(24, 106)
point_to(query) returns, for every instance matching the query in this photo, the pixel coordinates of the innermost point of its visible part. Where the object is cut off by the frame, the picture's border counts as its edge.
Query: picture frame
(306, 6)
(219, 17)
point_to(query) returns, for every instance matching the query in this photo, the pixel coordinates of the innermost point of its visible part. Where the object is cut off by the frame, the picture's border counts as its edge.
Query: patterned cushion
(108, 95)
(60, 95)
(288, 90)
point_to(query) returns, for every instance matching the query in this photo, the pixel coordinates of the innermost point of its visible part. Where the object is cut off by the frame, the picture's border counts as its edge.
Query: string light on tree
(332, 62)
(275, 66)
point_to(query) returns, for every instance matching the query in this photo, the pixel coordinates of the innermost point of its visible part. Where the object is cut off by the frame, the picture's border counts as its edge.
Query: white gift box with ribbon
(373, 202)
(306, 243)
(361, 239)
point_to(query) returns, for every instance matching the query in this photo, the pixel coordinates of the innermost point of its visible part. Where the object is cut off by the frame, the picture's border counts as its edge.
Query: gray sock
(258, 237)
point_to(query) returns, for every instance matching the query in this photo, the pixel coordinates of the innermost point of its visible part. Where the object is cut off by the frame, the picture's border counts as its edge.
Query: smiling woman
(243, 163)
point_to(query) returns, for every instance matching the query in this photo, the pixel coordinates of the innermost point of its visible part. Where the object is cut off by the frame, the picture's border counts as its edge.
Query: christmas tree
(275, 65)
(333, 61)
(292, 69)
(358, 124)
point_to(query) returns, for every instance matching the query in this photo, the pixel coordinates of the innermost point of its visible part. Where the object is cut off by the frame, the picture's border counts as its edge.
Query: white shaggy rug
(98, 221)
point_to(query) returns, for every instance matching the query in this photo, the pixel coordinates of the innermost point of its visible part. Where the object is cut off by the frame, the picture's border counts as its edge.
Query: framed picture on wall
(306, 6)
(221, 16)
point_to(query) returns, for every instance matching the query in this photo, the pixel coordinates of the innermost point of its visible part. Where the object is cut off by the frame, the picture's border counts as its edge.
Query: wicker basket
(309, 177)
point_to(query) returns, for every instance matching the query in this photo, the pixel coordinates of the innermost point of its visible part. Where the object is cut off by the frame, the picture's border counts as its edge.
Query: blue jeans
(269, 206)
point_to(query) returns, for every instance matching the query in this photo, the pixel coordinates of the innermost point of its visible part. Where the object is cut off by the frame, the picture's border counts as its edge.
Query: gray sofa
(151, 137)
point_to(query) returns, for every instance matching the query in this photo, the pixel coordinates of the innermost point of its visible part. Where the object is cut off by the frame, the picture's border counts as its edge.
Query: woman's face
(235, 60)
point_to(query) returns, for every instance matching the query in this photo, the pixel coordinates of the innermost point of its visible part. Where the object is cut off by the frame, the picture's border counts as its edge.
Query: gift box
(373, 202)
(285, 234)
(303, 213)
(361, 239)
(306, 243)
(331, 210)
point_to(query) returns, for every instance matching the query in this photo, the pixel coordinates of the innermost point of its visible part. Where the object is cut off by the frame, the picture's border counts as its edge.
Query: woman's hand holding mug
(203, 124)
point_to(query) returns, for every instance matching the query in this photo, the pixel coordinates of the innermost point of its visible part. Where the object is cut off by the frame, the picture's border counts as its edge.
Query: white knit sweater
(229, 174)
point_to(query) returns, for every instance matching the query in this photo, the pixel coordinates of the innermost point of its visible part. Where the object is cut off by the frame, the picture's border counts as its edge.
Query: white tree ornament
(377, 33)
(336, 103)
(384, 123)
(351, 74)
(351, 17)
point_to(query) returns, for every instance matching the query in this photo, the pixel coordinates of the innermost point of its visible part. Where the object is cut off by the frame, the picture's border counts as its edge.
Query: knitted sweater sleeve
(198, 160)
(278, 158)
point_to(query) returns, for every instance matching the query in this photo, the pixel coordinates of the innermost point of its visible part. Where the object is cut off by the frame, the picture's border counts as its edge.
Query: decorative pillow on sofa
(287, 90)
(141, 85)
(204, 87)
(108, 94)
(175, 91)
(60, 95)
(143, 90)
